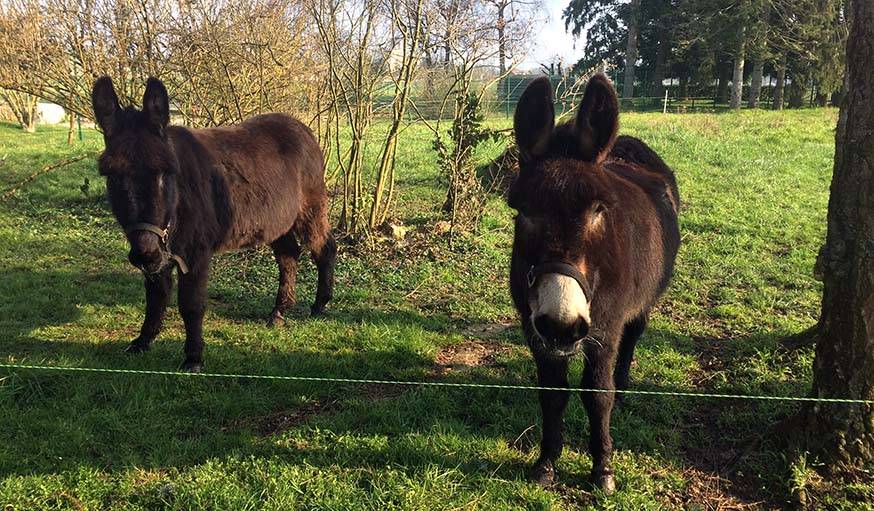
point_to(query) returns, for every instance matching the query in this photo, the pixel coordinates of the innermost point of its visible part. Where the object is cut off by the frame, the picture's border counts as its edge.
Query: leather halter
(164, 236)
(562, 268)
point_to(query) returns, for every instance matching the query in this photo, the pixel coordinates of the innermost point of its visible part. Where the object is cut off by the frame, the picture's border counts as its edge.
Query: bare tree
(23, 106)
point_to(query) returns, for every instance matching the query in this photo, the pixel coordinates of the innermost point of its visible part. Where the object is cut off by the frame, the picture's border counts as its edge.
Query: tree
(844, 362)
(610, 26)
(23, 107)
(631, 49)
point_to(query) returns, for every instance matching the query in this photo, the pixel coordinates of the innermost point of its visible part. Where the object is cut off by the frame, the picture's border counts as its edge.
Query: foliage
(697, 40)
(466, 198)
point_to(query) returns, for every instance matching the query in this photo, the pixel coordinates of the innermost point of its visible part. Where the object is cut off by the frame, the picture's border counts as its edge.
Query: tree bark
(502, 41)
(631, 49)
(781, 84)
(722, 77)
(658, 72)
(72, 130)
(756, 83)
(737, 77)
(844, 362)
(797, 92)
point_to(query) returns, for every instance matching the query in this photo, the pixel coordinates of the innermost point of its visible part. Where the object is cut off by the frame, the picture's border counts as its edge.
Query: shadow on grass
(60, 422)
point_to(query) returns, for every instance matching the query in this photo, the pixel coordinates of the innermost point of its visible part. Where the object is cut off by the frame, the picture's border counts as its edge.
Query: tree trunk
(797, 92)
(502, 41)
(723, 72)
(737, 77)
(844, 363)
(781, 84)
(72, 129)
(631, 50)
(658, 72)
(756, 83)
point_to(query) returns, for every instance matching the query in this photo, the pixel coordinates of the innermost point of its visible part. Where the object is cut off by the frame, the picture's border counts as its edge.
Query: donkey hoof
(317, 310)
(192, 367)
(137, 346)
(543, 474)
(605, 482)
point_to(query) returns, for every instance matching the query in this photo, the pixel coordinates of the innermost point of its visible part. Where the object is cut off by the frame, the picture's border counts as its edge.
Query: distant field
(755, 189)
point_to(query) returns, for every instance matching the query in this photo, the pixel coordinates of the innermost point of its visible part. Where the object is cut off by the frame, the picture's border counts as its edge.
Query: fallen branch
(45, 170)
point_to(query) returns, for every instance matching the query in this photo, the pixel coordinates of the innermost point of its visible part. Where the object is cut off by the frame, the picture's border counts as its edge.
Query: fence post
(665, 107)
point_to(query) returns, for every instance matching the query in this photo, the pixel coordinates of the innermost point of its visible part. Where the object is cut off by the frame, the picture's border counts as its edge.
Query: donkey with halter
(182, 195)
(596, 236)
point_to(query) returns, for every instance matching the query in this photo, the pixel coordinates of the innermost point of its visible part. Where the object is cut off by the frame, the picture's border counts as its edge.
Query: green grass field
(755, 187)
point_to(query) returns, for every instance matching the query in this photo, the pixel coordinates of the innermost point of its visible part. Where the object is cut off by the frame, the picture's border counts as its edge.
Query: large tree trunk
(844, 363)
(781, 84)
(756, 84)
(631, 49)
(737, 77)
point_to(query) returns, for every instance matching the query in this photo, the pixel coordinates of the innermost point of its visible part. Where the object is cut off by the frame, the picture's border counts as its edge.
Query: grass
(755, 188)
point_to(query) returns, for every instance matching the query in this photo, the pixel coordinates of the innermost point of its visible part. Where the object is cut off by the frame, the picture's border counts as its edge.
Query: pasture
(755, 190)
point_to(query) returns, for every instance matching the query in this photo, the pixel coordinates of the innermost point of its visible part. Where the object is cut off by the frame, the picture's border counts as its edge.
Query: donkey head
(562, 195)
(140, 167)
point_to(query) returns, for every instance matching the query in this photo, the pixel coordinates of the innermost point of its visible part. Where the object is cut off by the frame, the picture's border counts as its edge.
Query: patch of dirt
(279, 422)
(468, 355)
(707, 491)
(487, 330)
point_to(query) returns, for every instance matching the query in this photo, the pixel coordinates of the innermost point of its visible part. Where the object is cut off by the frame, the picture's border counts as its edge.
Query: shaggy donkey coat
(182, 195)
(595, 240)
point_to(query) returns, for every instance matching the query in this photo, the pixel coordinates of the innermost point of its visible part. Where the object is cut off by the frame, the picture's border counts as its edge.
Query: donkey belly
(261, 212)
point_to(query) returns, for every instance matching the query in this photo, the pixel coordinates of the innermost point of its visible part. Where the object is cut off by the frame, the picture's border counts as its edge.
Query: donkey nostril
(553, 330)
(143, 258)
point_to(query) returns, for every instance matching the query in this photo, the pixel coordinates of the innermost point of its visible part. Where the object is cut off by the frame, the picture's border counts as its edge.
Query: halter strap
(562, 268)
(163, 235)
(142, 226)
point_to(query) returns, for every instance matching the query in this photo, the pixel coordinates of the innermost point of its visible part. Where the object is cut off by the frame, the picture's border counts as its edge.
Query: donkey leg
(598, 374)
(325, 257)
(192, 306)
(287, 253)
(632, 332)
(157, 297)
(550, 373)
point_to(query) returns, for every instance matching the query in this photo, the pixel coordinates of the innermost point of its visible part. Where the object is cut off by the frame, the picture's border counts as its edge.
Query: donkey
(181, 195)
(595, 240)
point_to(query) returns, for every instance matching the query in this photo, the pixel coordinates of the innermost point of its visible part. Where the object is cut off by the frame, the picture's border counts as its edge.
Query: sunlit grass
(754, 187)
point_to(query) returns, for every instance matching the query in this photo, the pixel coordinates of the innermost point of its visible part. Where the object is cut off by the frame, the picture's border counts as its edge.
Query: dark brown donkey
(182, 195)
(595, 242)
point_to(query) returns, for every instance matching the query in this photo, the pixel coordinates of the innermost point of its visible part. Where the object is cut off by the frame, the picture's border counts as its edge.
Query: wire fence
(442, 384)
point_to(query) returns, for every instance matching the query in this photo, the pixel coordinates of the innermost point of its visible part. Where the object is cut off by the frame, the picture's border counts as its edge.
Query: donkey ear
(156, 105)
(534, 119)
(105, 104)
(597, 119)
